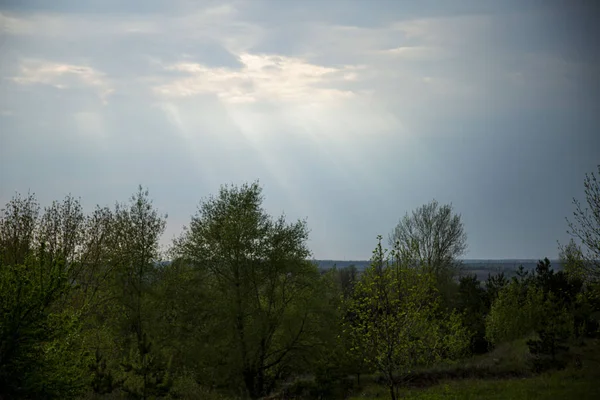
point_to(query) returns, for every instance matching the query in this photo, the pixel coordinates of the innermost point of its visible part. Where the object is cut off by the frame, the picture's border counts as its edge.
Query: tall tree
(433, 235)
(259, 265)
(135, 243)
(41, 349)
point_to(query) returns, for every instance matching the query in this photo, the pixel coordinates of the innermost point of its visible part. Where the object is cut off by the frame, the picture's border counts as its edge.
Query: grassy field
(566, 384)
(471, 380)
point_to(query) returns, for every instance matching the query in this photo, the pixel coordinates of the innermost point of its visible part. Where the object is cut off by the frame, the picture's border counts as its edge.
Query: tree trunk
(393, 392)
(249, 381)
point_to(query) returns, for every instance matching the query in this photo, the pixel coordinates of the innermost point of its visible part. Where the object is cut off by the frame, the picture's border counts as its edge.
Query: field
(473, 379)
(504, 373)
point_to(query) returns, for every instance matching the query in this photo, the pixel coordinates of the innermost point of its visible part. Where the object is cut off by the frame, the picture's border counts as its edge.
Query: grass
(453, 383)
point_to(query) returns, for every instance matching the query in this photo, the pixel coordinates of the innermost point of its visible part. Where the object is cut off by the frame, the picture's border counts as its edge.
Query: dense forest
(89, 310)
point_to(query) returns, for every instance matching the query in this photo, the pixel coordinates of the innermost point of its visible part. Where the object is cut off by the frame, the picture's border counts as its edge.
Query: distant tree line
(88, 310)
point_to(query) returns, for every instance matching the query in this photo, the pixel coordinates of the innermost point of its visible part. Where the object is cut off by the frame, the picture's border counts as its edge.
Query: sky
(348, 113)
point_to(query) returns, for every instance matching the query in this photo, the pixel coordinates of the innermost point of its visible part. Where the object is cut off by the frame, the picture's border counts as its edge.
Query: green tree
(61, 229)
(18, 225)
(348, 277)
(396, 325)
(42, 352)
(267, 287)
(135, 253)
(493, 285)
(573, 261)
(474, 306)
(515, 313)
(553, 332)
(184, 320)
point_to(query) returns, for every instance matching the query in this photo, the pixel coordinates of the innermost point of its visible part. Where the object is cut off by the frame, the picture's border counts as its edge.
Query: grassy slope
(570, 383)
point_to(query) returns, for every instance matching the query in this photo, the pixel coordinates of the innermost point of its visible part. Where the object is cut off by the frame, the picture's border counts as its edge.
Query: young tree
(396, 325)
(586, 225)
(434, 236)
(259, 266)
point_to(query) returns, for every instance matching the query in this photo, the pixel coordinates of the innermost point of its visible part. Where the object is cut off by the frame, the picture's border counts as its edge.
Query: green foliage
(18, 223)
(348, 277)
(137, 229)
(146, 377)
(514, 314)
(573, 261)
(544, 302)
(493, 285)
(395, 327)
(572, 382)
(103, 380)
(554, 331)
(268, 307)
(41, 351)
(473, 304)
(88, 308)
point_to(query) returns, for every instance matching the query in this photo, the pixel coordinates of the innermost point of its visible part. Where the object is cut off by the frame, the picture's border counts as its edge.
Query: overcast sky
(349, 113)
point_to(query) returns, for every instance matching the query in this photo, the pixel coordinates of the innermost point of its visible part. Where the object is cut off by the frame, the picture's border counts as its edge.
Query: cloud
(62, 76)
(10, 25)
(268, 78)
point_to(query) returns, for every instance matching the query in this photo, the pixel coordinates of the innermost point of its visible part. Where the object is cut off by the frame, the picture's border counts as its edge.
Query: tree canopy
(434, 235)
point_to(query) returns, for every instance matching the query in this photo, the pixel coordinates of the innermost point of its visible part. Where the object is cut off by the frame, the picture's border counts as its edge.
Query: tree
(396, 325)
(554, 331)
(537, 302)
(474, 306)
(136, 233)
(347, 276)
(515, 313)
(572, 259)
(267, 287)
(493, 285)
(61, 229)
(586, 225)
(42, 353)
(434, 235)
(183, 317)
(18, 225)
